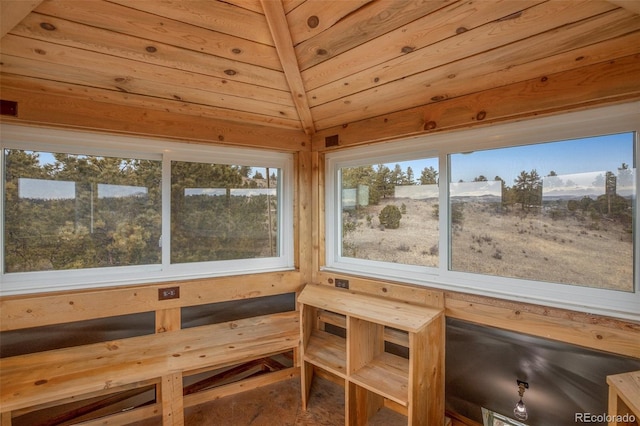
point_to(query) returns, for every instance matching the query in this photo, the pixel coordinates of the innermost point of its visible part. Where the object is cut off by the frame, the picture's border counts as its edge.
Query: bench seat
(40, 378)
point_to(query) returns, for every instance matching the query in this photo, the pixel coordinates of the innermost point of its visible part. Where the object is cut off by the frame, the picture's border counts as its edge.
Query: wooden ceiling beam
(279, 27)
(630, 5)
(14, 11)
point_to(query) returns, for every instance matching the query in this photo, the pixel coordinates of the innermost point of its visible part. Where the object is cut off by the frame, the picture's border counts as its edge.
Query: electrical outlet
(168, 293)
(340, 283)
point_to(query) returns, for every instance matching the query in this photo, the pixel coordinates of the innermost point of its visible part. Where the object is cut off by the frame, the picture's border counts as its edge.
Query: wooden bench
(81, 372)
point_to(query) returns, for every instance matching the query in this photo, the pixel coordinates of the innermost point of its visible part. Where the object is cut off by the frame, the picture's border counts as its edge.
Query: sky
(572, 157)
(595, 154)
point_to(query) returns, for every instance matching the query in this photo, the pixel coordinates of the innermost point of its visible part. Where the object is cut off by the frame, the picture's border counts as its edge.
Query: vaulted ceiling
(307, 65)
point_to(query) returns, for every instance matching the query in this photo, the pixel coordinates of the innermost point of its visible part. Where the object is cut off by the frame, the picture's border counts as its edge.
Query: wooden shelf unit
(374, 377)
(624, 399)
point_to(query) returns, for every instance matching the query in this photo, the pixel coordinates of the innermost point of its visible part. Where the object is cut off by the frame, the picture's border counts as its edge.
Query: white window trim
(600, 121)
(79, 142)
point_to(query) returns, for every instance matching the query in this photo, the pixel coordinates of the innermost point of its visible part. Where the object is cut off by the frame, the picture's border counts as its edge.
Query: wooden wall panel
(591, 331)
(23, 56)
(69, 112)
(602, 83)
(409, 293)
(25, 311)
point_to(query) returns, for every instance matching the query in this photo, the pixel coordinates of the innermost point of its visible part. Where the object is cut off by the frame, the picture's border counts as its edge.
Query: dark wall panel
(233, 310)
(483, 364)
(38, 339)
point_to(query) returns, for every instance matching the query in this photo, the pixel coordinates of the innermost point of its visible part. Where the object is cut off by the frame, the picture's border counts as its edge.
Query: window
(376, 198)
(559, 211)
(78, 215)
(222, 212)
(66, 211)
(543, 211)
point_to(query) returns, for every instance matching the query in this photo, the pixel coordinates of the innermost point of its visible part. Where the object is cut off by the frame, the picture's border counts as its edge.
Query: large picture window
(86, 210)
(559, 212)
(543, 211)
(66, 211)
(223, 212)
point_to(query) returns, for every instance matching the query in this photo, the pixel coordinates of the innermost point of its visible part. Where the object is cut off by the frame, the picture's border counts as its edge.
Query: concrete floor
(279, 405)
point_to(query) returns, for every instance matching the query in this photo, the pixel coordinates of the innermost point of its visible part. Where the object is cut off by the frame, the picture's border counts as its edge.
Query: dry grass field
(572, 249)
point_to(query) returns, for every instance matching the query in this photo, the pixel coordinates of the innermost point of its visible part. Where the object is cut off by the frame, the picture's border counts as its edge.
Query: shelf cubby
(374, 377)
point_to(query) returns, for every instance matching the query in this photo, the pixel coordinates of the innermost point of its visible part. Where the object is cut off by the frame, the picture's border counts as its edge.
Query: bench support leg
(172, 402)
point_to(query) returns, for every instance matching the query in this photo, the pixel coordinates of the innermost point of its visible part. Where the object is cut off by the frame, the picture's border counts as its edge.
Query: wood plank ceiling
(301, 64)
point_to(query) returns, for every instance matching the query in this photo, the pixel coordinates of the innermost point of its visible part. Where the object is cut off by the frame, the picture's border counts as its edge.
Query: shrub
(390, 217)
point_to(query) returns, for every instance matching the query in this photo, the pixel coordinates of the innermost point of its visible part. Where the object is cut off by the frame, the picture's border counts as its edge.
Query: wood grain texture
(168, 320)
(455, 74)
(14, 11)
(384, 311)
(312, 18)
(24, 56)
(219, 17)
(171, 397)
(68, 92)
(69, 112)
(365, 62)
(147, 52)
(630, 5)
(372, 21)
(427, 375)
(275, 14)
(149, 26)
(399, 291)
(304, 208)
(624, 394)
(18, 312)
(577, 328)
(306, 64)
(601, 83)
(52, 375)
(413, 386)
(396, 83)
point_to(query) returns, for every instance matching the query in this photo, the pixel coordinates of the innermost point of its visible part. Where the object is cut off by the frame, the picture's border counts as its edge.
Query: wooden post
(5, 419)
(305, 206)
(170, 388)
(172, 402)
(168, 320)
(306, 372)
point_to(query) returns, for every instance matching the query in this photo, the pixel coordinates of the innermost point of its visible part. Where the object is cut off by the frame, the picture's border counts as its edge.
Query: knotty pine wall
(598, 85)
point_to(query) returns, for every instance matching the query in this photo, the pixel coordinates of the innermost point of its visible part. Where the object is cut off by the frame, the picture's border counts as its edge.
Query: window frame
(102, 144)
(572, 125)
